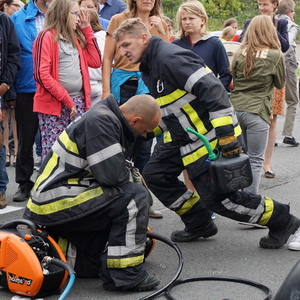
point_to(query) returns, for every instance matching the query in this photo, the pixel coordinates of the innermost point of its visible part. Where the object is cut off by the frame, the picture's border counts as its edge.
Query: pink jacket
(50, 95)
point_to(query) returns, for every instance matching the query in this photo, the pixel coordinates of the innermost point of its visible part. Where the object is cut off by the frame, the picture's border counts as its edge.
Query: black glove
(230, 146)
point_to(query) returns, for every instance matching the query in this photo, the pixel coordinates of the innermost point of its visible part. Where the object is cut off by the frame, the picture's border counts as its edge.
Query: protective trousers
(161, 175)
(110, 242)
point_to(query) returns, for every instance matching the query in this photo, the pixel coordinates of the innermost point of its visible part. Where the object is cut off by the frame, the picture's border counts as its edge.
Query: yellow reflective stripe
(171, 97)
(74, 181)
(194, 118)
(237, 130)
(157, 131)
(191, 158)
(167, 137)
(65, 203)
(221, 121)
(125, 262)
(269, 208)
(51, 164)
(70, 145)
(63, 245)
(188, 204)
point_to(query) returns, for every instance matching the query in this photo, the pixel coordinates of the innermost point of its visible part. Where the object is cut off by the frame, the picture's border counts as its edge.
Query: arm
(279, 72)
(222, 63)
(13, 61)
(43, 49)
(104, 151)
(283, 36)
(92, 51)
(109, 52)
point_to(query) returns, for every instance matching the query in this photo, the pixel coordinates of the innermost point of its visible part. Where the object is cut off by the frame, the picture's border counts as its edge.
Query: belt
(129, 87)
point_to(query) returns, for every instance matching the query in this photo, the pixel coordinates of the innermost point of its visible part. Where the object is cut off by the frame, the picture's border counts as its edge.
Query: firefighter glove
(230, 146)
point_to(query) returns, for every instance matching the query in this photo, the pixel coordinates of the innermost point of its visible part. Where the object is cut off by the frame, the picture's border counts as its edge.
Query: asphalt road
(233, 252)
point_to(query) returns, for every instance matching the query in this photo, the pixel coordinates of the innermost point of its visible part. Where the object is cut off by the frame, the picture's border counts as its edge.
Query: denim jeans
(3, 172)
(255, 133)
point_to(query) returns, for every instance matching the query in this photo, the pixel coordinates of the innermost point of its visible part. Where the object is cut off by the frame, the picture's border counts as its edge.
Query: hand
(157, 22)
(230, 146)
(3, 89)
(84, 18)
(73, 112)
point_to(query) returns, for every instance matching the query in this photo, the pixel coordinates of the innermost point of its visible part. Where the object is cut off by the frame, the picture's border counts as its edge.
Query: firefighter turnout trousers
(161, 175)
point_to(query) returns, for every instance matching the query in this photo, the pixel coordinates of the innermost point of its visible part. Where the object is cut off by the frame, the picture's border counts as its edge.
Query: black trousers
(161, 175)
(115, 232)
(27, 126)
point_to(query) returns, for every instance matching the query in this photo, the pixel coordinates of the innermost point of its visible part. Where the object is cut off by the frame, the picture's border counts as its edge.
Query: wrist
(6, 85)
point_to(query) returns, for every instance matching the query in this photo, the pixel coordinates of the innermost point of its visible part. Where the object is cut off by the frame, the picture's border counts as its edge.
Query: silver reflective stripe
(131, 246)
(69, 158)
(254, 214)
(175, 106)
(221, 113)
(194, 78)
(186, 196)
(104, 154)
(189, 148)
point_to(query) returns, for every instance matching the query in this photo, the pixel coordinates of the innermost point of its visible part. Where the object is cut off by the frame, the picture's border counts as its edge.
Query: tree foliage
(220, 10)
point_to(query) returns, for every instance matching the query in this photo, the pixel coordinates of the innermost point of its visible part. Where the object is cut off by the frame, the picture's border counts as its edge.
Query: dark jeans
(144, 151)
(27, 126)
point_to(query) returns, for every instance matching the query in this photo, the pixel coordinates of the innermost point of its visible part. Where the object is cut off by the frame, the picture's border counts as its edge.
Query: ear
(135, 121)
(145, 39)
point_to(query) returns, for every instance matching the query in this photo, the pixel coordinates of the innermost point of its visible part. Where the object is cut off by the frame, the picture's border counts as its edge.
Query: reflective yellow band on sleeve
(269, 208)
(125, 262)
(237, 130)
(70, 145)
(191, 158)
(168, 99)
(73, 181)
(188, 204)
(223, 121)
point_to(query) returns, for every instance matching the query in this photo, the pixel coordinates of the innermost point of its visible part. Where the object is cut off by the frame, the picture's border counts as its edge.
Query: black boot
(187, 235)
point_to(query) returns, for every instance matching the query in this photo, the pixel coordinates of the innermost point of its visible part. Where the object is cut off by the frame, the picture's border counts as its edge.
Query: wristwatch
(6, 85)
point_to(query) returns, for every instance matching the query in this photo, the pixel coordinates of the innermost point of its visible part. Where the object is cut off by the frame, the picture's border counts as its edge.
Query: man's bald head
(142, 113)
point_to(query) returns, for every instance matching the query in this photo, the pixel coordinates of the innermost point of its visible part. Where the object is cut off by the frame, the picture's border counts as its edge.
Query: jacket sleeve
(279, 76)
(13, 62)
(283, 36)
(104, 152)
(92, 52)
(194, 78)
(43, 48)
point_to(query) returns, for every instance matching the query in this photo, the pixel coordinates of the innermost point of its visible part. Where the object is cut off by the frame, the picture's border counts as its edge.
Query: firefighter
(83, 193)
(189, 95)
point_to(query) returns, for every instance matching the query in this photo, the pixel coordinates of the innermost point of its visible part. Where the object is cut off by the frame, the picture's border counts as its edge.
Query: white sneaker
(295, 242)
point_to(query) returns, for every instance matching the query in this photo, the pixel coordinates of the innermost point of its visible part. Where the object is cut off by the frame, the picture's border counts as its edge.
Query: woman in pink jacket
(62, 53)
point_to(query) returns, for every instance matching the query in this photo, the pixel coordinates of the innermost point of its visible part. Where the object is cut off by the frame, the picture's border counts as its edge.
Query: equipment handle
(211, 154)
(13, 224)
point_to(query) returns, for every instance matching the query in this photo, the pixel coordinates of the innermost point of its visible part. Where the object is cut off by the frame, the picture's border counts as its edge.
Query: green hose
(211, 154)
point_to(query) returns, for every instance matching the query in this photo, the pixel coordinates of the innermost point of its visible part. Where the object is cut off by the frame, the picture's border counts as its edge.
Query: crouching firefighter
(83, 193)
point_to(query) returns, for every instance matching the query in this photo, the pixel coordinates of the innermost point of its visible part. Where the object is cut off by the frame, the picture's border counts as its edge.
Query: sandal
(7, 162)
(269, 174)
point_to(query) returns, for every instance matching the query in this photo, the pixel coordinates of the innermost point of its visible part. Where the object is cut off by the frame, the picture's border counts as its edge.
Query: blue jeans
(3, 172)
(255, 133)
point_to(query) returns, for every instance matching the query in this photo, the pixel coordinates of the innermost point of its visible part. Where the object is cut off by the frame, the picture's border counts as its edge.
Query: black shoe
(290, 141)
(191, 235)
(277, 239)
(21, 195)
(148, 284)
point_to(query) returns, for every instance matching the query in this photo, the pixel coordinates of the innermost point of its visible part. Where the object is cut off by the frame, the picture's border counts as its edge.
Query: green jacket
(254, 95)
